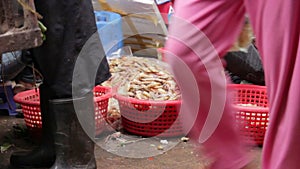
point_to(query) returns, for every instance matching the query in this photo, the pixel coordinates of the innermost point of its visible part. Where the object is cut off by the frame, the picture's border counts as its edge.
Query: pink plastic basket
(30, 103)
(252, 112)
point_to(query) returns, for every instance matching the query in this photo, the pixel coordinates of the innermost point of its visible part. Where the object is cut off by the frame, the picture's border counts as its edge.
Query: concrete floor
(120, 151)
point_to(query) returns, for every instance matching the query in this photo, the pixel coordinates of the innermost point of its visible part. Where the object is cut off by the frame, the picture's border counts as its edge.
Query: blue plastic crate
(109, 25)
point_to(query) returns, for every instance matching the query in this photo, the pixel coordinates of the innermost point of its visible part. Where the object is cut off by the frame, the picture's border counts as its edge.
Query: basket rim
(140, 101)
(252, 109)
(246, 86)
(248, 108)
(20, 97)
(108, 93)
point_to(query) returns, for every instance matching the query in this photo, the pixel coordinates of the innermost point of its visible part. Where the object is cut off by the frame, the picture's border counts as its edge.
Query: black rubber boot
(74, 147)
(44, 156)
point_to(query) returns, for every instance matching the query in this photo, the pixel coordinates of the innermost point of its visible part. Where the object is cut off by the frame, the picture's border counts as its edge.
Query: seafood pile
(143, 78)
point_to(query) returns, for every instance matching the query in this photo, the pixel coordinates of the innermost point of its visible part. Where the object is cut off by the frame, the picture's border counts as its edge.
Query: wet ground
(118, 151)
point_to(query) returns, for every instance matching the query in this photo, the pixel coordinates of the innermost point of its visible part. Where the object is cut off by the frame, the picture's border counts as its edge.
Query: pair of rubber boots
(65, 143)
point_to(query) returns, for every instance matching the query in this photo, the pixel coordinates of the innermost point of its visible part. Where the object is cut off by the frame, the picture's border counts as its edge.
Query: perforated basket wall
(252, 112)
(30, 103)
(150, 118)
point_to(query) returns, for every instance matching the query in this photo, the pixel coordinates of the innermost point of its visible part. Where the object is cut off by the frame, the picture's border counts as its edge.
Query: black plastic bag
(246, 65)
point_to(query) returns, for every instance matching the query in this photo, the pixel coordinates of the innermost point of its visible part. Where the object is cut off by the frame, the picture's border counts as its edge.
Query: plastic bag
(246, 65)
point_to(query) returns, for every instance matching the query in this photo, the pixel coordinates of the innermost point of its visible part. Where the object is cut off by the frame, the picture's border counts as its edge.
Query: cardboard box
(143, 26)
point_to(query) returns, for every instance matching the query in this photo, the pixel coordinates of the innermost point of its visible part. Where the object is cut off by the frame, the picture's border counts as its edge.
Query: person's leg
(201, 32)
(70, 25)
(74, 132)
(43, 156)
(276, 25)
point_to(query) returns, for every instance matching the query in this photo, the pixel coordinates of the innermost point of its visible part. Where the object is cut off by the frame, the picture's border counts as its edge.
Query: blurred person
(200, 25)
(65, 142)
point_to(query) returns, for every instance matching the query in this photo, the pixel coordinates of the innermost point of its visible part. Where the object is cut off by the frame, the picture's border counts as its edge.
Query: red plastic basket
(30, 103)
(252, 112)
(150, 118)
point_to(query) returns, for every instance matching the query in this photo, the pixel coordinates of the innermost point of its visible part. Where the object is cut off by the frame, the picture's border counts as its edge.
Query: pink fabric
(200, 24)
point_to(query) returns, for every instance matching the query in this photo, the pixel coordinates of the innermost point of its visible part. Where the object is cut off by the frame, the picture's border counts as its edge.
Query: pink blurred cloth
(201, 31)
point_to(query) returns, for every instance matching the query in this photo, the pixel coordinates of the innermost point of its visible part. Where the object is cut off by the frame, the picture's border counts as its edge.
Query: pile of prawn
(143, 78)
